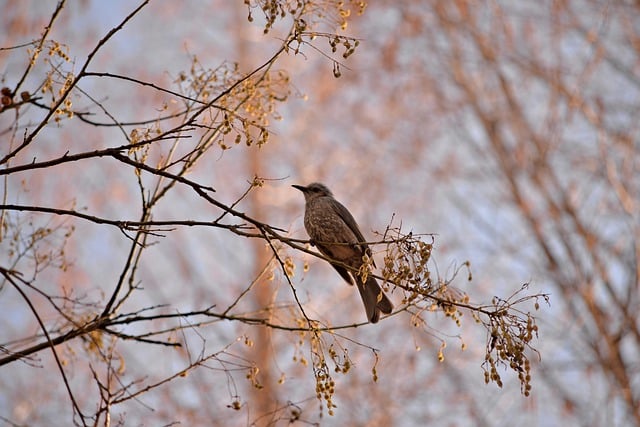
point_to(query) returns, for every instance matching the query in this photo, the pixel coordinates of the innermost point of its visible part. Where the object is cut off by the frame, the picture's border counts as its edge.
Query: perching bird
(335, 233)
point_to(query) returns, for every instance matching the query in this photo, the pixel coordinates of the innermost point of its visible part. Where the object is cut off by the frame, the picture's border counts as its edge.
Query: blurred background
(508, 129)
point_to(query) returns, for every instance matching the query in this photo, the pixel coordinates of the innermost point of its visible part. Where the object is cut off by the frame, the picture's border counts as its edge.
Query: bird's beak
(300, 187)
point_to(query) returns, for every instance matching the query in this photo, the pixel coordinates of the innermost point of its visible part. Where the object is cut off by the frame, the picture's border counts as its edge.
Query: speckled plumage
(335, 233)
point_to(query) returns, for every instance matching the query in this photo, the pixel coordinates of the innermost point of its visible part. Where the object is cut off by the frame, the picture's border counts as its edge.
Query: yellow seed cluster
(443, 345)
(333, 13)
(289, 267)
(240, 107)
(258, 97)
(235, 404)
(248, 341)
(348, 43)
(252, 376)
(321, 356)
(405, 265)
(138, 135)
(325, 386)
(59, 50)
(510, 337)
(447, 298)
(64, 111)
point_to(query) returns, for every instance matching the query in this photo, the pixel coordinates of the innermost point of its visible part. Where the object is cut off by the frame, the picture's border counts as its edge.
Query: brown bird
(335, 233)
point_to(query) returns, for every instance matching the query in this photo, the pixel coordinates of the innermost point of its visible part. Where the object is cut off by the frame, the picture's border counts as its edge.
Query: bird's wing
(353, 226)
(348, 219)
(342, 271)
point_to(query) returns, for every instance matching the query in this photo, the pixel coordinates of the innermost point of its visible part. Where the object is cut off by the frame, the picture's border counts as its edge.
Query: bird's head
(314, 190)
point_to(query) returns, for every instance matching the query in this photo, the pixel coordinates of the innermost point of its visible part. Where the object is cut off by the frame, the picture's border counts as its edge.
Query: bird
(335, 233)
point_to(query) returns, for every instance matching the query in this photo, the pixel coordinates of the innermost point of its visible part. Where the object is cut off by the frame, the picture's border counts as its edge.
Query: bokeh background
(508, 129)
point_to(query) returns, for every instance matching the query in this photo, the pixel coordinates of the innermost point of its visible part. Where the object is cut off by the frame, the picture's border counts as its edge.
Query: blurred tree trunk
(262, 397)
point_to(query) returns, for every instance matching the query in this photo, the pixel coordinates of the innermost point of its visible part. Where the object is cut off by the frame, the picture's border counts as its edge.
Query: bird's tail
(374, 299)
